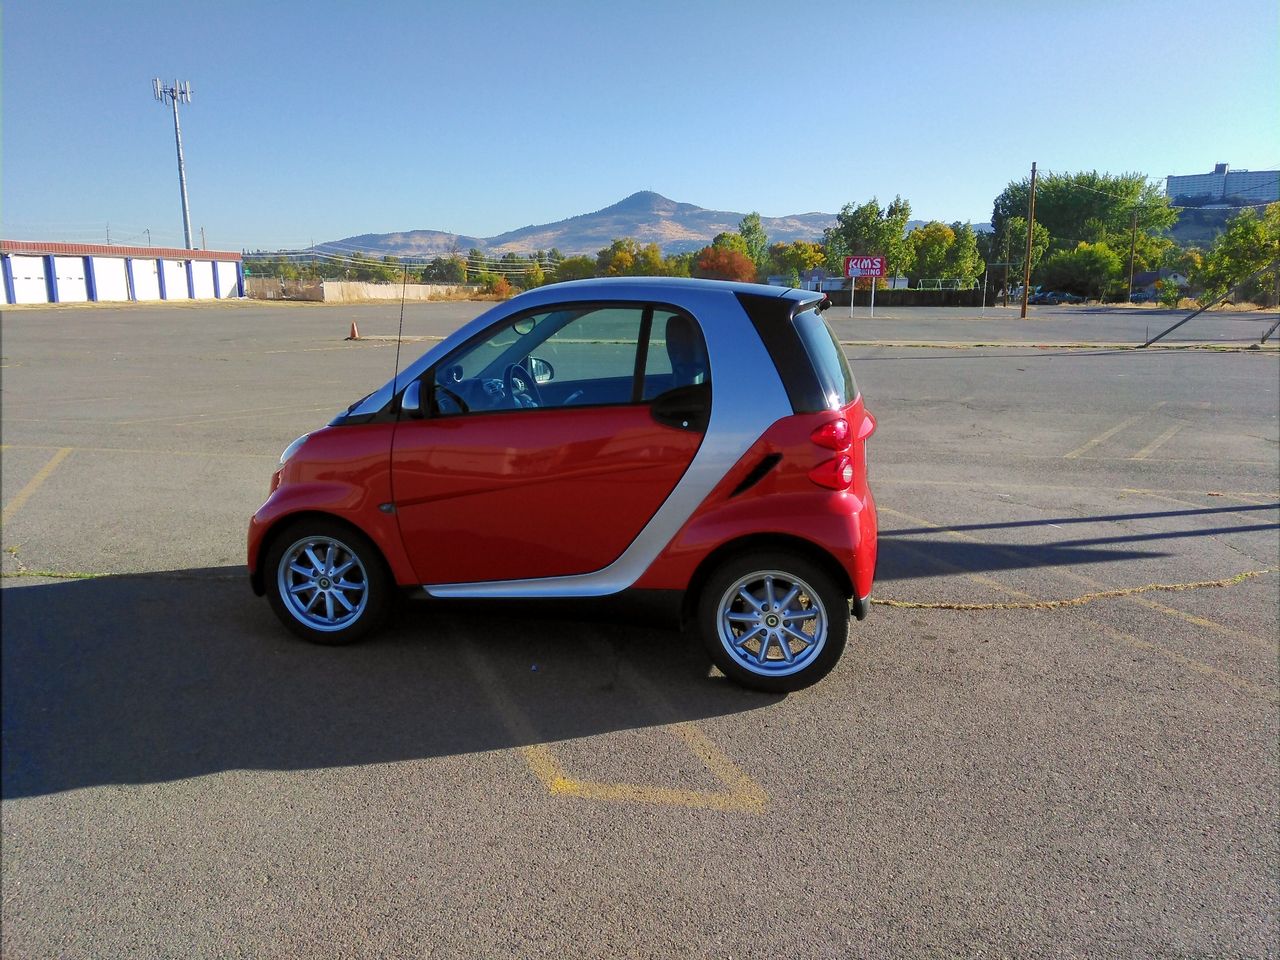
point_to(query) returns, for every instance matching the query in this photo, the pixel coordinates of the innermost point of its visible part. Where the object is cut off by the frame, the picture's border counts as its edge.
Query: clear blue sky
(318, 120)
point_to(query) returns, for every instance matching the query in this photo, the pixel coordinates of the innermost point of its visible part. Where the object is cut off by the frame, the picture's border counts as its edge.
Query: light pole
(177, 91)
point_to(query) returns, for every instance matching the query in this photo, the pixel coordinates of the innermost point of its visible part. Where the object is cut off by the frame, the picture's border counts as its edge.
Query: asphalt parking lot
(1055, 735)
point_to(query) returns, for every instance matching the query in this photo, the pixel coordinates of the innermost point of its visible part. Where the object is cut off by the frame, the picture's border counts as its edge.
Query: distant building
(1223, 187)
(1146, 282)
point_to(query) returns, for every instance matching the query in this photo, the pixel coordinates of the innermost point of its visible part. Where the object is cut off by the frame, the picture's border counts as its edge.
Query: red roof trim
(41, 247)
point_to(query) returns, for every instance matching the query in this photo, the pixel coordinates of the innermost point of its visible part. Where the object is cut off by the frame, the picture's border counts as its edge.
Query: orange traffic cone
(355, 332)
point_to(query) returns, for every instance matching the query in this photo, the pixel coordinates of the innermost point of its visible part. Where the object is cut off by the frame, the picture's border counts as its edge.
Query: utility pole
(179, 91)
(147, 231)
(1006, 264)
(203, 243)
(1031, 227)
(1133, 242)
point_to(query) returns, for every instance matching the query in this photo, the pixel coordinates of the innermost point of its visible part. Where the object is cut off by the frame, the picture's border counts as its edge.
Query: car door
(505, 479)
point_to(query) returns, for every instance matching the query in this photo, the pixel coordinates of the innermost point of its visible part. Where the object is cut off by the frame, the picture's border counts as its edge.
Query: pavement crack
(1072, 601)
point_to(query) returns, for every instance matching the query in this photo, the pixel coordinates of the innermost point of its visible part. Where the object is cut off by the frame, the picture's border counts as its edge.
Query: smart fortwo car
(691, 441)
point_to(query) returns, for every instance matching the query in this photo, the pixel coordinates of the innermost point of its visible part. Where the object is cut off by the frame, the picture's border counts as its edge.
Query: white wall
(146, 280)
(109, 278)
(28, 280)
(202, 279)
(175, 280)
(227, 275)
(71, 284)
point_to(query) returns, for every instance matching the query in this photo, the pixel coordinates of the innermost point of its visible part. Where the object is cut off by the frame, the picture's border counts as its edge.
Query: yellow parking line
(1089, 581)
(23, 495)
(1230, 679)
(1108, 434)
(742, 794)
(1157, 443)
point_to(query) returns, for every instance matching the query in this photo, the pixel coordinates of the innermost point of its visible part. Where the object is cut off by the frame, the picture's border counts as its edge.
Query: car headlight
(292, 448)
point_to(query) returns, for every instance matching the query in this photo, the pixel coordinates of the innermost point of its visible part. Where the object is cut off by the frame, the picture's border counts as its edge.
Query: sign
(862, 266)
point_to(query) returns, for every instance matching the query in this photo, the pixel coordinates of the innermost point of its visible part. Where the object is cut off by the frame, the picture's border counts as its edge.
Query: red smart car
(693, 441)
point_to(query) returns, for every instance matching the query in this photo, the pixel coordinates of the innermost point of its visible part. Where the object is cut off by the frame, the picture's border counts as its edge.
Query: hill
(647, 216)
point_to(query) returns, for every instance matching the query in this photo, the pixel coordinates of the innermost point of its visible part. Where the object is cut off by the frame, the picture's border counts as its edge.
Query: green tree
(476, 264)
(964, 262)
(648, 261)
(1010, 246)
(793, 259)
(1087, 206)
(731, 241)
(930, 245)
(868, 229)
(1090, 270)
(618, 259)
(756, 240)
(679, 264)
(575, 268)
(534, 276)
(1249, 243)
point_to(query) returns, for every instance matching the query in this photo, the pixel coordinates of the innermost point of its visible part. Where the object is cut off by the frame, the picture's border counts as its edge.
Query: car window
(583, 355)
(677, 354)
(829, 363)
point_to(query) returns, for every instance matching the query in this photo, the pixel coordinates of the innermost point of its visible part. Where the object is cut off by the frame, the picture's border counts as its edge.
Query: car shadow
(158, 677)
(908, 553)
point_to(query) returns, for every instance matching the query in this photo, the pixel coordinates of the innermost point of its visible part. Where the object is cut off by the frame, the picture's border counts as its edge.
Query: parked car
(1051, 297)
(694, 442)
(1140, 296)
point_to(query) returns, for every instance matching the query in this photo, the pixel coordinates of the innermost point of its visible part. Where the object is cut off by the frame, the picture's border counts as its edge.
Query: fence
(350, 291)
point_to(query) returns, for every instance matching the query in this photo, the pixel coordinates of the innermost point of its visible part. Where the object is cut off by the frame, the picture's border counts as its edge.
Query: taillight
(834, 474)
(834, 435)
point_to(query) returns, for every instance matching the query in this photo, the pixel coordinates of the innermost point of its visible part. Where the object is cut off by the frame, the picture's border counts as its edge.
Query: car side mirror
(541, 370)
(411, 400)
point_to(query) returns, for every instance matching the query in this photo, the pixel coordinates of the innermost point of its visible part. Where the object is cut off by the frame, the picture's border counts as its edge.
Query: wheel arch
(284, 522)
(759, 543)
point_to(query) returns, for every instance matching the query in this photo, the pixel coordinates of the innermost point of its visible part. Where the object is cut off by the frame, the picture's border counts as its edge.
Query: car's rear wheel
(327, 582)
(773, 621)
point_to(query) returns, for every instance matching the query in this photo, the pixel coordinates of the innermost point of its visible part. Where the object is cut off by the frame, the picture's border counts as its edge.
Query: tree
(534, 276)
(720, 263)
(648, 262)
(1090, 270)
(445, 270)
(476, 264)
(1088, 206)
(618, 259)
(678, 264)
(731, 241)
(871, 230)
(1249, 243)
(575, 268)
(930, 246)
(793, 259)
(963, 260)
(753, 235)
(1010, 246)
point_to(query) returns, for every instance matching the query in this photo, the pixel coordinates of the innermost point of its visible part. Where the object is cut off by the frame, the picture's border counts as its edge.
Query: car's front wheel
(774, 622)
(327, 582)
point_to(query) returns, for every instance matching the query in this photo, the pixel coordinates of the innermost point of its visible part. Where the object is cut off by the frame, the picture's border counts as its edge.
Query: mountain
(647, 216)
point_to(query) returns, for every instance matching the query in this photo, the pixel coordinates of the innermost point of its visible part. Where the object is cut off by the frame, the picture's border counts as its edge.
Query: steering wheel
(517, 381)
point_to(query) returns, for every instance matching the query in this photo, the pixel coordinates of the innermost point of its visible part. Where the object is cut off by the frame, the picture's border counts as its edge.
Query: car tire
(327, 582)
(775, 622)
